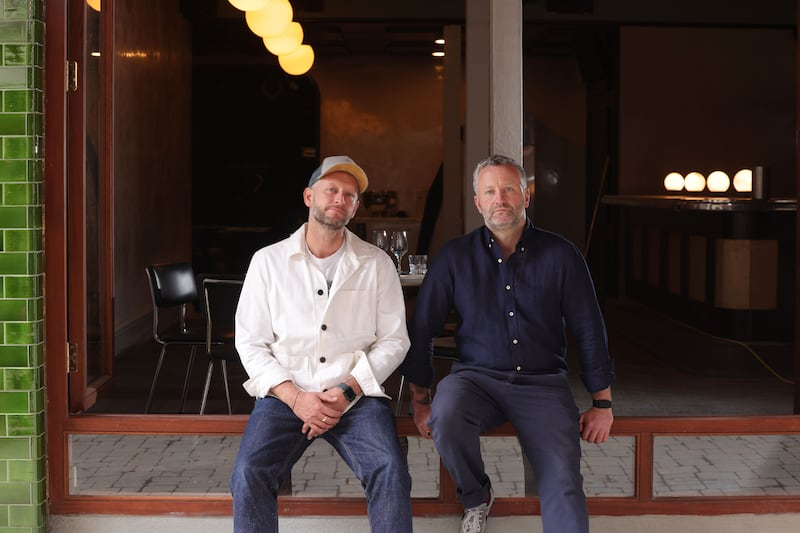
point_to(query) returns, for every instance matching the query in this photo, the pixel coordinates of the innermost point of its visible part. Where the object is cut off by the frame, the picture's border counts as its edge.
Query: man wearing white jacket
(319, 327)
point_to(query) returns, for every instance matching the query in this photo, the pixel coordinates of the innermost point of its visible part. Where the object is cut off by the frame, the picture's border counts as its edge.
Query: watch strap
(601, 404)
(349, 393)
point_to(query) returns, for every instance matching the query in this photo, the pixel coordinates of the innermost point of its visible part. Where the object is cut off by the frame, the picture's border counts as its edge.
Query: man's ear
(307, 196)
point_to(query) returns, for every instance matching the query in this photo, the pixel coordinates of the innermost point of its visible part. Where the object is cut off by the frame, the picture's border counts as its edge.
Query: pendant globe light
(298, 62)
(287, 42)
(249, 5)
(272, 20)
(94, 4)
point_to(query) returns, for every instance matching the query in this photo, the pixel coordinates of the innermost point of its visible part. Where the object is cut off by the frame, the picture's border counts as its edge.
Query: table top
(411, 280)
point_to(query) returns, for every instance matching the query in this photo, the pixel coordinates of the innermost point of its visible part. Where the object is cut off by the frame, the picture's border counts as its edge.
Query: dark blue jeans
(542, 410)
(366, 439)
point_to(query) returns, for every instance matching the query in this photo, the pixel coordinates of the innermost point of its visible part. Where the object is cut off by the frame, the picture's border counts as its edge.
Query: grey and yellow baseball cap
(340, 163)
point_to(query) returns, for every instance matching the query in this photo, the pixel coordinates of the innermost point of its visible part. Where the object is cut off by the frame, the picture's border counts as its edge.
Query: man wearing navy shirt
(514, 289)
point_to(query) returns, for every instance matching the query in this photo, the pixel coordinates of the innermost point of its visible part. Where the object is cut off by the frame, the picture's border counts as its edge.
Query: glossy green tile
(14, 356)
(18, 9)
(15, 493)
(19, 193)
(18, 101)
(33, 123)
(13, 124)
(35, 262)
(35, 170)
(13, 217)
(3, 433)
(21, 333)
(13, 402)
(35, 308)
(18, 54)
(20, 379)
(3, 515)
(35, 76)
(21, 240)
(14, 262)
(13, 310)
(13, 31)
(22, 425)
(36, 401)
(36, 354)
(22, 287)
(25, 516)
(37, 445)
(14, 170)
(2, 285)
(24, 470)
(14, 77)
(35, 218)
(19, 448)
(18, 147)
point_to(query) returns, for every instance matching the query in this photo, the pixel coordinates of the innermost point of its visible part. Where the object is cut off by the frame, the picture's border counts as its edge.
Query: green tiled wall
(22, 459)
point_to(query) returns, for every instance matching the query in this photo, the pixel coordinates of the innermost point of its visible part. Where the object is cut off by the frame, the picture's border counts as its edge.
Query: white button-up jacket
(289, 326)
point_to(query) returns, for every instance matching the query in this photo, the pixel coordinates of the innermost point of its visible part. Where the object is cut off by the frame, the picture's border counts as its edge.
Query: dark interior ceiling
(336, 27)
(551, 27)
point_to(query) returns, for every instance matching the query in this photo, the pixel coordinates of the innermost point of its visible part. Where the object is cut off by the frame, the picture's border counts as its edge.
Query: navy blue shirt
(511, 314)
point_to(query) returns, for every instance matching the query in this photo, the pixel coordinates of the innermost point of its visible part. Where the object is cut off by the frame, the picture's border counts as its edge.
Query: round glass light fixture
(673, 182)
(95, 4)
(694, 182)
(270, 21)
(249, 5)
(718, 181)
(298, 62)
(287, 42)
(743, 180)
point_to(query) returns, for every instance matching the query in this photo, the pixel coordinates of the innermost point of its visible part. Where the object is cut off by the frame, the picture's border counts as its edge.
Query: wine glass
(398, 244)
(380, 239)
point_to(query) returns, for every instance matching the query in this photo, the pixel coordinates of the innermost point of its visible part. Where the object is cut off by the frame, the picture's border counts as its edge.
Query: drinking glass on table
(398, 244)
(380, 239)
(417, 264)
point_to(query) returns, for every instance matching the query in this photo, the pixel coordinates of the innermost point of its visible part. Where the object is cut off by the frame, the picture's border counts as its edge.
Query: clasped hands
(319, 411)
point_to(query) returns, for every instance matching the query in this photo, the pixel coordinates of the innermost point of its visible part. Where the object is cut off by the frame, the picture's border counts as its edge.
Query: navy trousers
(542, 410)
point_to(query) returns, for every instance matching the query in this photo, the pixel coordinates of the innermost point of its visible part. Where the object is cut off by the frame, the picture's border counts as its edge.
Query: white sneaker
(474, 519)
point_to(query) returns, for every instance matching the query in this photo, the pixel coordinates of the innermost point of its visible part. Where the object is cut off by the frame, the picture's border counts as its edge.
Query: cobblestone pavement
(684, 466)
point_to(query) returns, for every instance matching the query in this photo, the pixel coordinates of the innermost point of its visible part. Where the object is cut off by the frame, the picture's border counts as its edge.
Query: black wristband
(349, 393)
(601, 404)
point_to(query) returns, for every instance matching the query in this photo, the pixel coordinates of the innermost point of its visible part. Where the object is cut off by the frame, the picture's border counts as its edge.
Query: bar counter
(723, 264)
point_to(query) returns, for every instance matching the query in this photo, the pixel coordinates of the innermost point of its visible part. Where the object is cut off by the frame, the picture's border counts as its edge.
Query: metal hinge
(72, 357)
(72, 75)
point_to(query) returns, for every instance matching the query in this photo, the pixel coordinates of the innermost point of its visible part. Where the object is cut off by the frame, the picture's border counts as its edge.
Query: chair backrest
(220, 297)
(171, 285)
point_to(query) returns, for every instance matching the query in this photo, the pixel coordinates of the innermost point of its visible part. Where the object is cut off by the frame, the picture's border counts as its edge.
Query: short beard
(327, 222)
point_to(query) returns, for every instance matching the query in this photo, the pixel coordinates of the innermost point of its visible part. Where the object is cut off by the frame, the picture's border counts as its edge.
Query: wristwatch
(349, 393)
(601, 404)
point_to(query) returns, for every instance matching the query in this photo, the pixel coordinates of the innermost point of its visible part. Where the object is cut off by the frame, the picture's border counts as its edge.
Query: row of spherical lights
(272, 21)
(717, 181)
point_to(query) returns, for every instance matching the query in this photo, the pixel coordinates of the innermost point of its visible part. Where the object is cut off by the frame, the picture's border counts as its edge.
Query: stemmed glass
(398, 244)
(380, 239)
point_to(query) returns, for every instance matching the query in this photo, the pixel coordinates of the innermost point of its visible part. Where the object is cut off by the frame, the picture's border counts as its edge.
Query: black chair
(172, 288)
(220, 298)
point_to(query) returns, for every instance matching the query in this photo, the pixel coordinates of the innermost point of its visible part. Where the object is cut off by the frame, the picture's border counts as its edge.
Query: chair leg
(399, 400)
(227, 390)
(188, 375)
(208, 384)
(155, 378)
